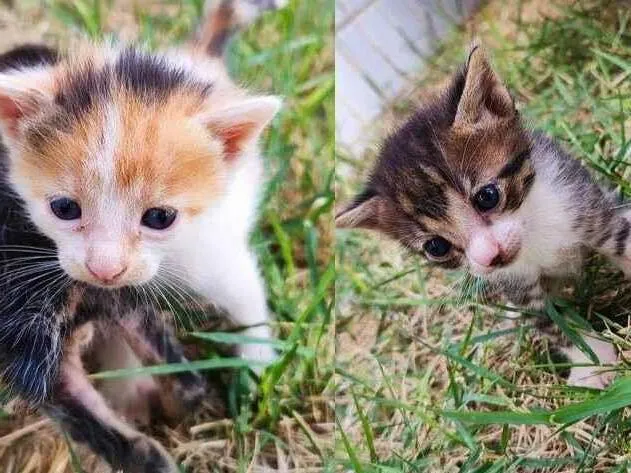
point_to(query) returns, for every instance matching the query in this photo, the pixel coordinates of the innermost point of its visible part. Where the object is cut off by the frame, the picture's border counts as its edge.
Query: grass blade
(173, 368)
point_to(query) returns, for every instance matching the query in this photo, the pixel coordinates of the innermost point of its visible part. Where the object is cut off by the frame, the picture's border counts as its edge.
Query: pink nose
(106, 273)
(483, 250)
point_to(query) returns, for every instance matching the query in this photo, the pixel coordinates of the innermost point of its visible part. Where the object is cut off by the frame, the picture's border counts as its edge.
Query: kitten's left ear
(484, 98)
(241, 124)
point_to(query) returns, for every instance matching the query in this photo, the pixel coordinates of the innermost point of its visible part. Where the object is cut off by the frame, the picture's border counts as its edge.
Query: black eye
(159, 218)
(65, 208)
(487, 198)
(437, 247)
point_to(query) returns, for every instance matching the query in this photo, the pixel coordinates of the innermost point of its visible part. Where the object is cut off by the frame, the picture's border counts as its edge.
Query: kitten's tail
(225, 17)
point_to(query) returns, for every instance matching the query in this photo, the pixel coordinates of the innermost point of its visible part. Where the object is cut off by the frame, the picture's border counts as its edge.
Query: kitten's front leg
(584, 376)
(529, 295)
(591, 376)
(84, 414)
(533, 296)
(231, 280)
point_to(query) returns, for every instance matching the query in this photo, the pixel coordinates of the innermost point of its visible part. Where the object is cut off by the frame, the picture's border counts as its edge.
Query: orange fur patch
(160, 154)
(165, 152)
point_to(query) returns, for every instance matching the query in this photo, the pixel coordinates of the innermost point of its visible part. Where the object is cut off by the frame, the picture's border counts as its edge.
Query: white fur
(549, 244)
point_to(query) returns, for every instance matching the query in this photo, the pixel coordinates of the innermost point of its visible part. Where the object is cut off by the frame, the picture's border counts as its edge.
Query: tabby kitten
(465, 184)
(125, 174)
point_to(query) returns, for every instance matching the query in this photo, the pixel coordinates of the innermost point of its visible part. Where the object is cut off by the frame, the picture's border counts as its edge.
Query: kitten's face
(114, 190)
(115, 177)
(460, 213)
(450, 183)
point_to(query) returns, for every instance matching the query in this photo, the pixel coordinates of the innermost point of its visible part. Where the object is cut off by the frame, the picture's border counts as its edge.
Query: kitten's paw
(590, 377)
(262, 355)
(148, 456)
(597, 377)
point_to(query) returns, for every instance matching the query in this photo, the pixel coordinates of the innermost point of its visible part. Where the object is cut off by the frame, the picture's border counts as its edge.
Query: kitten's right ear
(22, 95)
(366, 211)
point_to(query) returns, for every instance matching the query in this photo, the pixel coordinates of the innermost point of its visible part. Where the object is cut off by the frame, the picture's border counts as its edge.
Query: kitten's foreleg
(526, 295)
(533, 297)
(232, 281)
(593, 376)
(84, 414)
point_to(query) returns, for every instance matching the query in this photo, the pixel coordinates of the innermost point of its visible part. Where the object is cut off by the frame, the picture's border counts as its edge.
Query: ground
(429, 379)
(289, 426)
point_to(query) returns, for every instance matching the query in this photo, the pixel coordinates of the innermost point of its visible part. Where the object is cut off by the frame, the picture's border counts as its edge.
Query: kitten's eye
(159, 218)
(65, 208)
(437, 247)
(487, 198)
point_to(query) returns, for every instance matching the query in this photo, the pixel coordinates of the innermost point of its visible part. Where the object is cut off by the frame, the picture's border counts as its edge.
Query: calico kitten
(465, 184)
(125, 175)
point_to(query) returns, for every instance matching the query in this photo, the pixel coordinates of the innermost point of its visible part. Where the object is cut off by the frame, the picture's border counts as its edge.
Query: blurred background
(381, 47)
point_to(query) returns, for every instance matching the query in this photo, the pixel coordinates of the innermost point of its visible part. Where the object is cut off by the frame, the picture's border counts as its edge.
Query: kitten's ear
(484, 97)
(241, 124)
(366, 211)
(22, 95)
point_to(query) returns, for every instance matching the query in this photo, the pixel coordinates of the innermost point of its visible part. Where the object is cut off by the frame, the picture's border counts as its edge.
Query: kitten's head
(114, 152)
(449, 183)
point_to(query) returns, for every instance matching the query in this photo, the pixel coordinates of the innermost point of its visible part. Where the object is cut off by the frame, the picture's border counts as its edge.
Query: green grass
(428, 380)
(287, 53)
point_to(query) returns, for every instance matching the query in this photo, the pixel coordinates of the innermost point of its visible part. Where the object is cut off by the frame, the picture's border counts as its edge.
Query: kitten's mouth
(505, 259)
(105, 285)
(101, 283)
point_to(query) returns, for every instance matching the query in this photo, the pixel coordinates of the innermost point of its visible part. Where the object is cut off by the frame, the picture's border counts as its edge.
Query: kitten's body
(130, 180)
(464, 183)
